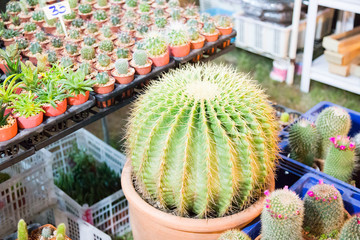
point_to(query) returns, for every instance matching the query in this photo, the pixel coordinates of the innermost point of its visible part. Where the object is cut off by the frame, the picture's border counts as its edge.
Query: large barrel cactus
(202, 142)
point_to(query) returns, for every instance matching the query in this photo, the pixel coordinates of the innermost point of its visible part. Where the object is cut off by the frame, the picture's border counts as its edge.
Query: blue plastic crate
(351, 197)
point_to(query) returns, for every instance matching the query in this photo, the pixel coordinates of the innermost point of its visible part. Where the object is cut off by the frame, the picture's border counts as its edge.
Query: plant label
(57, 9)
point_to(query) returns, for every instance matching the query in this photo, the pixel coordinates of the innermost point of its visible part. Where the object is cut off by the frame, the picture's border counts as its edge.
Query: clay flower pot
(29, 35)
(24, 18)
(180, 51)
(124, 78)
(147, 221)
(225, 31)
(50, 111)
(39, 23)
(31, 121)
(117, 2)
(125, 45)
(106, 88)
(85, 16)
(9, 131)
(161, 60)
(78, 99)
(142, 70)
(97, 7)
(8, 42)
(197, 44)
(36, 234)
(211, 37)
(115, 29)
(49, 29)
(104, 69)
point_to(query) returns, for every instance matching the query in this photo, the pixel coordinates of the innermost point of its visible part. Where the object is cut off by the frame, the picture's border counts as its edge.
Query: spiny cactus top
(324, 210)
(234, 235)
(351, 229)
(282, 216)
(22, 233)
(46, 232)
(202, 141)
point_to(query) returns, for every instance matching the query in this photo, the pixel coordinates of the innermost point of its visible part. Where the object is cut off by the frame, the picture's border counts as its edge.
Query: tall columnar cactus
(282, 216)
(331, 122)
(22, 232)
(324, 210)
(202, 141)
(61, 229)
(303, 139)
(351, 229)
(234, 235)
(340, 160)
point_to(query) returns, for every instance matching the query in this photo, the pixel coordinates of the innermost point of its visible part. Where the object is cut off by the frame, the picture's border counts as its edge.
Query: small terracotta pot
(50, 111)
(31, 121)
(32, 58)
(115, 29)
(102, 69)
(8, 133)
(180, 51)
(198, 43)
(142, 70)
(29, 35)
(108, 87)
(100, 23)
(97, 7)
(85, 16)
(39, 23)
(49, 29)
(78, 99)
(117, 2)
(36, 234)
(68, 22)
(124, 78)
(225, 31)
(24, 18)
(8, 42)
(211, 37)
(147, 221)
(161, 60)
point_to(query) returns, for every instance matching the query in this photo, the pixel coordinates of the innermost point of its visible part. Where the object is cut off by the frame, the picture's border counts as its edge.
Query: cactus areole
(202, 142)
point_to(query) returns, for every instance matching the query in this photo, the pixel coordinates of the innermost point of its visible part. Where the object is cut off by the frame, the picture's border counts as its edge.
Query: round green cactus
(89, 40)
(324, 210)
(193, 34)
(57, 42)
(234, 235)
(92, 27)
(124, 37)
(70, 16)
(175, 14)
(100, 15)
(122, 53)
(202, 141)
(209, 28)
(340, 159)
(131, 3)
(38, 15)
(22, 43)
(159, 12)
(85, 67)
(332, 121)
(140, 57)
(351, 229)
(145, 19)
(122, 66)
(104, 60)
(156, 45)
(282, 216)
(102, 3)
(22, 232)
(85, 8)
(52, 56)
(74, 33)
(114, 20)
(144, 7)
(106, 31)
(78, 23)
(40, 36)
(142, 28)
(35, 47)
(102, 78)
(177, 35)
(106, 46)
(87, 53)
(29, 27)
(66, 62)
(46, 232)
(161, 22)
(129, 26)
(115, 9)
(303, 140)
(71, 48)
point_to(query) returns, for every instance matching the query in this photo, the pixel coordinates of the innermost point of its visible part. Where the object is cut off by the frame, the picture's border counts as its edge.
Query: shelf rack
(318, 70)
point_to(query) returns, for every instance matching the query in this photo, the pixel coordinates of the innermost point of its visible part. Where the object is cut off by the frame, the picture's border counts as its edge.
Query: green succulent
(160, 22)
(124, 37)
(129, 25)
(104, 60)
(38, 15)
(122, 66)
(209, 28)
(85, 8)
(102, 3)
(87, 53)
(30, 77)
(10, 33)
(73, 3)
(35, 47)
(130, 14)
(59, 28)
(5, 16)
(13, 6)
(89, 40)
(32, 2)
(46, 232)
(23, 43)
(160, 2)
(144, 7)
(66, 62)
(102, 78)
(57, 42)
(61, 229)
(40, 36)
(26, 105)
(51, 22)
(11, 55)
(92, 27)
(174, 3)
(115, 9)
(52, 56)
(8, 88)
(85, 67)
(140, 57)
(193, 34)
(15, 20)
(192, 23)
(78, 23)
(100, 15)
(106, 45)
(140, 45)
(115, 20)
(156, 45)
(106, 31)
(178, 36)
(234, 235)
(51, 94)
(223, 21)
(145, 18)
(191, 10)
(71, 48)
(122, 53)
(142, 28)
(70, 16)
(131, 3)
(22, 231)
(205, 17)
(75, 82)
(74, 33)
(159, 12)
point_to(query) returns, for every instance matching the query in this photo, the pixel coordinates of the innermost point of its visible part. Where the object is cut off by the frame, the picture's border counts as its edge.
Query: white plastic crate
(230, 5)
(273, 40)
(111, 214)
(29, 190)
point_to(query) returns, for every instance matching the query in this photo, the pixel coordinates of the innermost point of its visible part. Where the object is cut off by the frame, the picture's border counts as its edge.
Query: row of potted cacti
(46, 232)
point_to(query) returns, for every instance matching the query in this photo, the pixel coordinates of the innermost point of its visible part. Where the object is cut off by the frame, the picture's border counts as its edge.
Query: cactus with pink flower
(340, 160)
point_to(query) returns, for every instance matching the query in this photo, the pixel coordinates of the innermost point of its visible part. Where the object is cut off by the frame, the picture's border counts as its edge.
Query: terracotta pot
(39, 23)
(24, 18)
(198, 43)
(8, 42)
(102, 69)
(31, 121)
(180, 51)
(50, 111)
(9, 132)
(115, 29)
(32, 58)
(211, 37)
(49, 29)
(85, 16)
(147, 221)
(142, 70)
(78, 99)
(117, 2)
(36, 234)
(97, 7)
(124, 78)
(29, 35)
(225, 31)
(108, 87)
(161, 60)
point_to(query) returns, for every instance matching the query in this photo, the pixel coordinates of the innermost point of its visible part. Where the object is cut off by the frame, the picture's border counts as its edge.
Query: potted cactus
(22, 44)
(159, 4)
(179, 41)
(102, 5)
(191, 11)
(116, 10)
(196, 40)
(104, 83)
(188, 133)
(146, 19)
(122, 53)
(87, 54)
(27, 110)
(57, 44)
(29, 30)
(130, 4)
(8, 124)
(173, 4)
(45, 232)
(175, 15)
(74, 36)
(157, 49)
(140, 62)
(204, 17)
(144, 7)
(32, 4)
(104, 63)
(210, 32)
(24, 14)
(160, 23)
(224, 25)
(100, 17)
(122, 73)
(71, 49)
(68, 18)
(130, 15)
(68, 63)
(124, 40)
(34, 48)
(13, 8)
(106, 33)
(85, 11)
(5, 17)
(50, 25)
(160, 12)
(38, 17)
(79, 24)
(15, 23)
(52, 56)
(106, 47)
(89, 41)
(129, 26)
(89, 71)
(114, 23)
(41, 38)
(193, 23)
(59, 31)
(76, 85)
(141, 30)
(9, 35)
(92, 29)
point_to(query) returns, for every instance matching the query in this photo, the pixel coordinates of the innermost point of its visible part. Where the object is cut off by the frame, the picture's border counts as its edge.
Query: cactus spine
(282, 216)
(303, 139)
(104, 60)
(22, 230)
(324, 210)
(122, 66)
(331, 122)
(340, 160)
(351, 229)
(200, 128)
(234, 235)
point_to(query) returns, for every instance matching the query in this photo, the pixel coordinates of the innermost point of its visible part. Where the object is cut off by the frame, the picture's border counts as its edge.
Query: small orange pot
(8, 42)
(49, 29)
(85, 16)
(31, 121)
(180, 51)
(78, 99)
(225, 31)
(108, 87)
(124, 78)
(212, 37)
(161, 60)
(50, 111)
(198, 43)
(9, 132)
(24, 18)
(142, 70)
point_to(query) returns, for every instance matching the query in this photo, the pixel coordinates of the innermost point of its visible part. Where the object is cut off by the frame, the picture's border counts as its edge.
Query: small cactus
(124, 37)
(209, 28)
(106, 46)
(57, 42)
(66, 62)
(282, 216)
(35, 47)
(104, 60)
(332, 121)
(160, 22)
(175, 14)
(140, 57)
(234, 235)
(22, 43)
(61, 229)
(122, 66)
(145, 18)
(92, 27)
(192, 23)
(85, 67)
(38, 15)
(52, 56)
(78, 23)
(191, 10)
(115, 20)
(204, 17)
(40, 36)
(351, 229)
(156, 45)
(85, 8)
(144, 7)
(59, 28)
(13, 6)
(115, 9)
(340, 159)
(160, 2)
(73, 3)
(177, 35)
(130, 14)
(193, 34)
(122, 53)
(106, 31)
(174, 3)
(22, 232)
(46, 232)
(102, 3)
(89, 40)
(324, 210)
(303, 139)
(129, 26)
(87, 53)
(71, 48)
(223, 21)
(102, 78)
(29, 27)
(100, 15)
(142, 28)
(72, 15)
(74, 34)
(131, 3)
(159, 12)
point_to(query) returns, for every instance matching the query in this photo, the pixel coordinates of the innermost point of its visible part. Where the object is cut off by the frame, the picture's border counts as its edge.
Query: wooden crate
(344, 42)
(341, 58)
